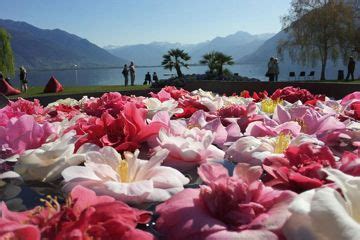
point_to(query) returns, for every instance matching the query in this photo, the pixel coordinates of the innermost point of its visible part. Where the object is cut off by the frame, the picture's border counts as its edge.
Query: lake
(113, 76)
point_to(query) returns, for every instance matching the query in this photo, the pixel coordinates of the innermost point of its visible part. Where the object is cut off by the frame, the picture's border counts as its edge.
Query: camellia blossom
(326, 213)
(124, 133)
(113, 103)
(188, 148)
(223, 135)
(237, 207)
(300, 169)
(131, 180)
(46, 162)
(84, 216)
(23, 133)
(154, 105)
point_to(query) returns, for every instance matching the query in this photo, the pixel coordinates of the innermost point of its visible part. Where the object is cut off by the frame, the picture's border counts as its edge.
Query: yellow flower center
(268, 105)
(282, 143)
(191, 126)
(123, 170)
(302, 124)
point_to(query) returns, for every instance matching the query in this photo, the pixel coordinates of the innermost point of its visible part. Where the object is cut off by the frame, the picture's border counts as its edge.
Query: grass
(38, 91)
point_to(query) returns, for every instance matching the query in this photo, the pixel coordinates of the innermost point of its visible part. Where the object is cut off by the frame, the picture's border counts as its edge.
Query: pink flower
(292, 94)
(22, 134)
(188, 148)
(237, 207)
(125, 132)
(311, 121)
(268, 127)
(84, 216)
(223, 135)
(112, 102)
(300, 169)
(21, 107)
(243, 115)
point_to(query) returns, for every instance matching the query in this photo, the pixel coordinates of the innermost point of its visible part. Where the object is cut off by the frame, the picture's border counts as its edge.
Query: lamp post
(76, 75)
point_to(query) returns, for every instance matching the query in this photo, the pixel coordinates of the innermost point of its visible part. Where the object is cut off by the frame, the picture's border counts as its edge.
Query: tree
(216, 62)
(221, 60)
(210, 60)
(6, 54)
(318, 30)
(176, 58)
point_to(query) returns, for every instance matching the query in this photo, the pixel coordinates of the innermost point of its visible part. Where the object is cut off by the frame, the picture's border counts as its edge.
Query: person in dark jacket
(23, 79)
(155, 78)
(132, 73)
(351, 69)
(125, 73)
(147, 78)
(271, 72)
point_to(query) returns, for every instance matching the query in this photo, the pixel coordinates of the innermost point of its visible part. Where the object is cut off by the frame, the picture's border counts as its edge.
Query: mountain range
(45, 49)
(237, 45)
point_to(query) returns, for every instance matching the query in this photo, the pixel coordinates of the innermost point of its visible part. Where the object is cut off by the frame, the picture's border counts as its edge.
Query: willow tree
(6, 54)
(176, 58)
(317, 30)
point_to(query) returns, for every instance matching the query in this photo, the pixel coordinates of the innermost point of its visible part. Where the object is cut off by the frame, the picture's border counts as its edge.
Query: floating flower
(125, 132)
(47, 162)
(130, 180)
(154, 105)
(188, 148)
(223, 135)
(300, 169)
(23, 133)
(84, 216)
(237, 207)
(325, 213)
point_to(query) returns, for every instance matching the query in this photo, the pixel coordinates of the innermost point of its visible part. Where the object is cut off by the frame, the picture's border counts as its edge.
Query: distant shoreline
(104, 67)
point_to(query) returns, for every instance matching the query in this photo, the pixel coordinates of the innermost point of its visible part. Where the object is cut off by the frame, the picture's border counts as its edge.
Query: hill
(46, 49)
(237, 45)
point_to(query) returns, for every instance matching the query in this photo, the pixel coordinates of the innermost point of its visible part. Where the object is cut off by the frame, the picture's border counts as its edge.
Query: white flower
(67, 101)
(154, 106)
(251, 150)
(324, 213)
(47, 162)
(131, 180)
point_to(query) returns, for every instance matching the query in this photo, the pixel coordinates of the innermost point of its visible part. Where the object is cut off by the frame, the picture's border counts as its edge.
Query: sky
(127, 22)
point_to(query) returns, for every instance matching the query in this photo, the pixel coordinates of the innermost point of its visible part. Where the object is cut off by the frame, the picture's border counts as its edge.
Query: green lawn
(38, 91)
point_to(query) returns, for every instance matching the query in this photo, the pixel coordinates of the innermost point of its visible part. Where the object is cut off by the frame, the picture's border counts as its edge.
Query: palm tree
(221, 60)
(176, 58)
(210, 60)
(6, 54)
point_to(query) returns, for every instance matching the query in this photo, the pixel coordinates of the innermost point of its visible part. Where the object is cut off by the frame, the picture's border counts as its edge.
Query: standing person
(23, 79)
(155, 78)
(271, 70)
(277, 69)
(147, 78)
(125, 73)
(351, 69)
(132, 73)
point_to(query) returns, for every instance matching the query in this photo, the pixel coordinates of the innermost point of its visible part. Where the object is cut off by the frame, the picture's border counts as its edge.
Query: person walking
(132, 73)
(147, 78)
(277, 69)
(23, 79)
(351, 69)
(125, 73)
(271, 70)
(155, 78)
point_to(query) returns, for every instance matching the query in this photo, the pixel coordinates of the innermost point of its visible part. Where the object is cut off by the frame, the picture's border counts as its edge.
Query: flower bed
(182, 165)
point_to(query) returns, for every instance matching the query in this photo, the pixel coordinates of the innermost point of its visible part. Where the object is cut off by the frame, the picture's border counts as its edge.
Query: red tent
(7, 89)
(53, 86)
